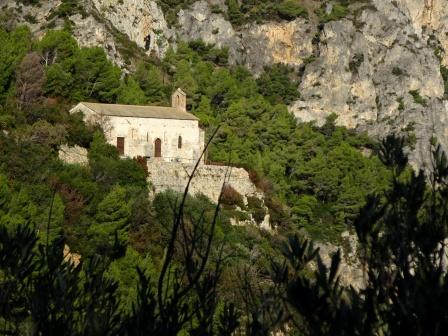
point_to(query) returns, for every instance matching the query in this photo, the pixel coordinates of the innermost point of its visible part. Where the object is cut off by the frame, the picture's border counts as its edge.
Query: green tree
(290, 9)
(234, 13)
(15, 45)
(111, 222)
(184, 78)
(21, 205)
(56, 46)
(5, 194)
(51, 221)
(203, 111)
(151, 81)
(124, 271)
(59, 81)
(276, 85)
(94, 76)
(131, 93)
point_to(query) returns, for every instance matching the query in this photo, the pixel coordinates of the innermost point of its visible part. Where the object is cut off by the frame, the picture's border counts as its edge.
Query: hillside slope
(378, 65)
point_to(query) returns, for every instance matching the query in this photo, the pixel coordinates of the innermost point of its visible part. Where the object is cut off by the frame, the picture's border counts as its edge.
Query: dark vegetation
(175, 264)
(401, 234)
(444, 72)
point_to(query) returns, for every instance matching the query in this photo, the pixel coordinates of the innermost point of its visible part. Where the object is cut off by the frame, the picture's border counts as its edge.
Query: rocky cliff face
(253, 46)
(379, 72)
(142, 21)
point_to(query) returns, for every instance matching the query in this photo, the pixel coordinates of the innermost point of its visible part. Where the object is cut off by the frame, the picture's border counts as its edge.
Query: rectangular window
(120, 145)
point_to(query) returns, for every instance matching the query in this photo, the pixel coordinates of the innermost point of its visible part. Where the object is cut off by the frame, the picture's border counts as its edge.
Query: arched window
(158, 148)
(179, 142)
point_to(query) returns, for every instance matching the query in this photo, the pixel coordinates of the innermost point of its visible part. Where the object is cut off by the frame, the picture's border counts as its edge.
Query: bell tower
(179, 100)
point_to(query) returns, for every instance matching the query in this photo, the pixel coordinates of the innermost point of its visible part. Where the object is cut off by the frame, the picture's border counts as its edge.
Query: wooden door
(158, 148)
(120, 145)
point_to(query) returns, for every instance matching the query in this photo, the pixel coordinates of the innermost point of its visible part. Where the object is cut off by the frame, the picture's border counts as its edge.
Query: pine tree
(131, 93)
(112, 221)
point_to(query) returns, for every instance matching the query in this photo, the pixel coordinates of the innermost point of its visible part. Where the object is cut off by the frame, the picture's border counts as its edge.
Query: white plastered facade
(140, 134)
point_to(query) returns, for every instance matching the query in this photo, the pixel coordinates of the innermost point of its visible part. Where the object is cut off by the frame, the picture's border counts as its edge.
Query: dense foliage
(320, 173)
(402, 235)
(44, 294)
(101, 211)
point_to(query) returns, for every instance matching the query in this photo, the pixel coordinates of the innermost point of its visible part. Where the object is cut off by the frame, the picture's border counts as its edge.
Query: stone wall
(140, 135)
(207, 180)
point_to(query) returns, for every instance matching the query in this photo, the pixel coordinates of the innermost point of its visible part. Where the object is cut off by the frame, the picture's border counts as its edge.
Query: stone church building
(166, 133)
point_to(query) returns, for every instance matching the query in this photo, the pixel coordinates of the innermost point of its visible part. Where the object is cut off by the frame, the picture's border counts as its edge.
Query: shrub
(355, 63)
(231, 197)
(261, 182)
(279, 214)
(444, 72)
(142, 163)
(338, 12)
(256, 208)
(238, 215)
(418, 99)
(30, 19)
(276, 85)
(258, 215)
(397, 71)
(254, 202)
(400, 104)
(290, 9)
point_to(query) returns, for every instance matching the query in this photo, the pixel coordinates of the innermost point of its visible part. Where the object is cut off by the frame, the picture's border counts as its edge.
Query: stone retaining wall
(207, 180)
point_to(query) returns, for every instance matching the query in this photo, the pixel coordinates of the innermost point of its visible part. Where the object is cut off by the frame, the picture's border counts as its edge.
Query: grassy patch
(400, 104)
(418, 99)
(397, 71)
(339, 11)
(444, 72)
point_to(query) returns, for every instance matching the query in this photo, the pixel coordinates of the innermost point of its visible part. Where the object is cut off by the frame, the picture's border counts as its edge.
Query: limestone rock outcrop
(351, 271)
(254, 45)
(378, 71)
(429, 17)
(73, 155)
(142, 21)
